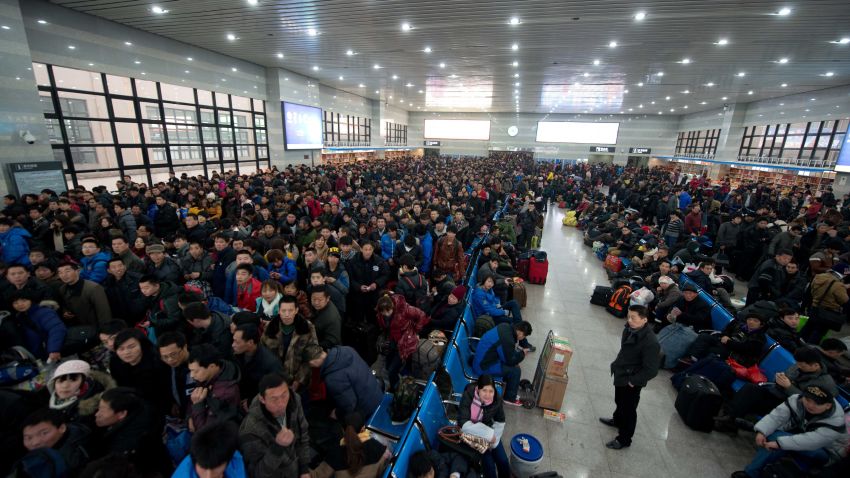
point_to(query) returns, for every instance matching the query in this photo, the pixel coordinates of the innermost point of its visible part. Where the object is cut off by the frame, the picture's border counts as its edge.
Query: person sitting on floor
(809, 425)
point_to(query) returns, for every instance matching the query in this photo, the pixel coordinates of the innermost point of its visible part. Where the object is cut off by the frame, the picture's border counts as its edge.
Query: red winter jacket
(246, 298)
(404, 316)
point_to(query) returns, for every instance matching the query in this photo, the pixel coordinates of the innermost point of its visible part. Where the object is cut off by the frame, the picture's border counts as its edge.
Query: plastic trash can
(525, 464)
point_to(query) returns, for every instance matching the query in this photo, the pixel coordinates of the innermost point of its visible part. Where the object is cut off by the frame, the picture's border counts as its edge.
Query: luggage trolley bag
(698, 402)
(601, 295)
(538, 268)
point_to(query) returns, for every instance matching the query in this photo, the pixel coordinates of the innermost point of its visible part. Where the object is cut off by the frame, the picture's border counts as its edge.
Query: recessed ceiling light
(660, 73)
(750, 92)
(640, 16)
(741, 74)
(709, 84)
(516, 84)
(829, 74)
(672, 109)
(515, 64)
(43, 22)
(406, 27)
(90, 64)
(685, 61)
(442, 65)
(640, 106)
(625, 91)
(842, 41)
(146, 74)
(376, 66)
(812, 99)
(703, 103)
(782, 61)
(137, 62)
(722, 42)
(781, 104)
(158, 10)
(516, 75)
(784, 12)
(640, 84)
(596, 62)
(686, 92)
(361, 85)
(234, 69)
(189, 58)
(613, 44)
(252, 2)
(5, 27)
(72, 47)
(514, 21)
(350, 52)
(341, 78)
(312, 32)
(514, 47)
(186, 71)
(427, 49)
(586, 74)
(452, 76)
(395, 77)
(667, 98)
(231, 37)
(724, 98)
(315, 67)
(784, 85)
(652, 102)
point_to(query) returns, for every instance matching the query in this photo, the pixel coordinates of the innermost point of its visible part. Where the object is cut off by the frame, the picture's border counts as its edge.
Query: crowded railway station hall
(435, 239)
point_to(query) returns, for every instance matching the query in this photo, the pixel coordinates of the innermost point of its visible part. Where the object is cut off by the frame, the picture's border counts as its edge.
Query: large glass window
(104, 127)
(346, 130)
(814, 141)
(396, 134)
(697, 142)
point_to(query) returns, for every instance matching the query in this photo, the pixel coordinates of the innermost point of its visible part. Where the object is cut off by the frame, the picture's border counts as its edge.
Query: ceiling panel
(557, 44)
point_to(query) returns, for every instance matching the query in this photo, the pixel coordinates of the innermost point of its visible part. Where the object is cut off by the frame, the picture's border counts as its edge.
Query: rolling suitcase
(522, 265)
(698, 402)
(538, 270)
(601, 295)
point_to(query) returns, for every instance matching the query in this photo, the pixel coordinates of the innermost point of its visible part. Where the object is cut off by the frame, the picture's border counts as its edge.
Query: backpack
(482, 324)
(406, 398)
(428, 354)
(421, 299)
(618, 306)
(17, 365)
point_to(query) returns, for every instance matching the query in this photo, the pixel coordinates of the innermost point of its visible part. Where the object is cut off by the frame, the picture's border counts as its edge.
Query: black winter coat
(637, 363)
(350, 382)
(365, 272)
(125, 298)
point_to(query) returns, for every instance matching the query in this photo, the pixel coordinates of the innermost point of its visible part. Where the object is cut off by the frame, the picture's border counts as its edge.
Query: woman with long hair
(482, 414)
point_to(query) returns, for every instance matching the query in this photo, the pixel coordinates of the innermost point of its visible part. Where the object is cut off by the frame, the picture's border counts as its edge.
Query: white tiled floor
(663, 445)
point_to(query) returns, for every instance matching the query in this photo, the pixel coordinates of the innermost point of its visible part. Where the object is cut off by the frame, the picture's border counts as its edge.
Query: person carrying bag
(825, 312)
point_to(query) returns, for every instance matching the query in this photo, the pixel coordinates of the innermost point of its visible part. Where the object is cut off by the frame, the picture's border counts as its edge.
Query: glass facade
(815, 140)
(702, 142)
(103, 127)
(346, 130)
(396, 134)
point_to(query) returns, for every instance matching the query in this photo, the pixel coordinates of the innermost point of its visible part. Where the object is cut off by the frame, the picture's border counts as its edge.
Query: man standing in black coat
(635, 365)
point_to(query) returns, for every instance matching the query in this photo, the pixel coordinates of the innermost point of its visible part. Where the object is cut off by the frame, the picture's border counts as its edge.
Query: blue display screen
(843, 163)
(302, 126)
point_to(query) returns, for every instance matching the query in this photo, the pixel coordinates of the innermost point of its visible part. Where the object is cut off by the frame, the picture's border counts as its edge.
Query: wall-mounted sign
(640, 150)
(33, 177)
(603, 149)
(432, 143)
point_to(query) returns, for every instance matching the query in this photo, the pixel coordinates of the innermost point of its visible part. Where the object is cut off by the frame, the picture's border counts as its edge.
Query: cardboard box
(556, 357)
(552, 392)
(554, 416)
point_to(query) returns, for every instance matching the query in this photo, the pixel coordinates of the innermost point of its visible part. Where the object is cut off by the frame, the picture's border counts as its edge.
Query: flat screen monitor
(302, 126)
(843, 163)
(457, 129)
(577, 132)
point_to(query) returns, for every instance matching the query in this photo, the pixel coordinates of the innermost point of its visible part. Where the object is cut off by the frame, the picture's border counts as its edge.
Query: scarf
(270, 308)
(477, 409)
(57, 403)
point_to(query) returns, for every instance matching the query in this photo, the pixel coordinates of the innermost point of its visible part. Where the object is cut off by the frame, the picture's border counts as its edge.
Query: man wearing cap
(690, 311)
(158, 264)
(809, 425)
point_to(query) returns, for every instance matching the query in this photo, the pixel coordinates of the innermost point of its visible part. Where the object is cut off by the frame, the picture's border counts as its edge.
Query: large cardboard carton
(552, 392)
(556, 358)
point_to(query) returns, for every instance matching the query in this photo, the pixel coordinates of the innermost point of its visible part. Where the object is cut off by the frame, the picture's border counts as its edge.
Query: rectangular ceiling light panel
(576, 132)
(457, 129)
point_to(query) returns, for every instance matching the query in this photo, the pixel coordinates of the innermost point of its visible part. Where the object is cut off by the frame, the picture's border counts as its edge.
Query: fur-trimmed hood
(99, 382)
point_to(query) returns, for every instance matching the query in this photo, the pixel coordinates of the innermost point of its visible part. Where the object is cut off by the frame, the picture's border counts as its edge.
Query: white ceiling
(557, 44)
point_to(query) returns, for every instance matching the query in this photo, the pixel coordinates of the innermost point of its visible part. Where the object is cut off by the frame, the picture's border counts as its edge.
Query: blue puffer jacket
(94, 268)
(42, 330)
(484, 302)
(427, 244)
(235, 468)
(496, 347)
(287, 270)
(16, 249)
(387, 246)
(350, 382)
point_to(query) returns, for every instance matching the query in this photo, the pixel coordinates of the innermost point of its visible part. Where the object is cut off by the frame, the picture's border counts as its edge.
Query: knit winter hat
(155, 248)
(71, 367)
(459, 292)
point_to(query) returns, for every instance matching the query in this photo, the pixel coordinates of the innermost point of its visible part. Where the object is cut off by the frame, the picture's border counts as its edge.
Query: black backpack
(406, 398)
(482, 324)
(421, 299)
